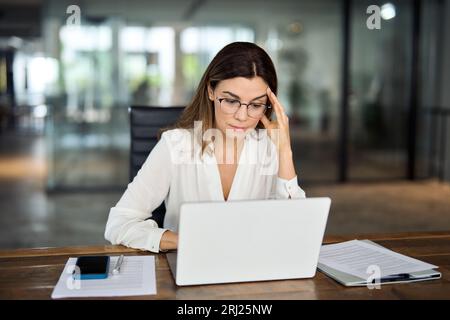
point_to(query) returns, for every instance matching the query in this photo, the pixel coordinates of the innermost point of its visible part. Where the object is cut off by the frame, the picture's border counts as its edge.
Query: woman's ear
(210, 93)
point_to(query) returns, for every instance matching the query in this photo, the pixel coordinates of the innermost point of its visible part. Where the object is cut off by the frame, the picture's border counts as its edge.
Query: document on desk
(136, 278)
(361, 259)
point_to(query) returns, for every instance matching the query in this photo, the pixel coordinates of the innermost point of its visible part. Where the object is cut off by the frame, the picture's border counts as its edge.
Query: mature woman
(225, 146)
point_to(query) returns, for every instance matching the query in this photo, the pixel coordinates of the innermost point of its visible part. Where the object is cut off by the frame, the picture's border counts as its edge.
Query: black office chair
(145, 124)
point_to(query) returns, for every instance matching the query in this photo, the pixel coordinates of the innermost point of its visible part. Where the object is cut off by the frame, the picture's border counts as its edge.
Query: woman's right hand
(169, 241)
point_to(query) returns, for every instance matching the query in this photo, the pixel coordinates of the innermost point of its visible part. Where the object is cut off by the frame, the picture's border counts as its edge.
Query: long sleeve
(286, 189)
(126, 222)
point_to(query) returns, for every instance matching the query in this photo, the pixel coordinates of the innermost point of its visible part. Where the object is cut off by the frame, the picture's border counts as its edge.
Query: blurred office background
(369, 109)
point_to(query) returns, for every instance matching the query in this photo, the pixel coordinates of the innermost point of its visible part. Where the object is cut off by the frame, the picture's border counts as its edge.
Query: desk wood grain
(33, 273)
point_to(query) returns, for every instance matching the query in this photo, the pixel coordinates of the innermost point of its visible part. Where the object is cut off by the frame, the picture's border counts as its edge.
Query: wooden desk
(32, 274)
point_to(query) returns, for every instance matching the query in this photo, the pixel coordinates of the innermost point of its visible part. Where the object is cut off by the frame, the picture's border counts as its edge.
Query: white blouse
(176, 171)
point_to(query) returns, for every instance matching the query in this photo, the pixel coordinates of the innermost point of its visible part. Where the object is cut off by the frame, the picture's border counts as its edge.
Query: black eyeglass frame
(266, 106)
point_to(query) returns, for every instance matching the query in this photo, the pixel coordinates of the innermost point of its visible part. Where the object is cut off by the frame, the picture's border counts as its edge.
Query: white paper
(136, 278)
(361, 259)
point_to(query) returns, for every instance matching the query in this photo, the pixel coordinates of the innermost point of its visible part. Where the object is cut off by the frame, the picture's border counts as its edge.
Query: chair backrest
(145, 124)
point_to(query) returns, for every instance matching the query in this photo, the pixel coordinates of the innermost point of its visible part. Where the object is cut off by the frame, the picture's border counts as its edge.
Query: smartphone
(91, 267)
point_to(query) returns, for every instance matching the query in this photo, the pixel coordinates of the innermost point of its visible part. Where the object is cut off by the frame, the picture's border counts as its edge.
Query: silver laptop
(240, 241)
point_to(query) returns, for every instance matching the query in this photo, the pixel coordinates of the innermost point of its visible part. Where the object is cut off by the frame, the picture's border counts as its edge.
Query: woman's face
(246, 91)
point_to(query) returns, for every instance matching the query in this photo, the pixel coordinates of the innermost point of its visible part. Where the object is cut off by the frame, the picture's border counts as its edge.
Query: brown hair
(237, 59)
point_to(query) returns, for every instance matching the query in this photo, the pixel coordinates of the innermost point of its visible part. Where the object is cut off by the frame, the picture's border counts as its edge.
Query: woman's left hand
(278, 129)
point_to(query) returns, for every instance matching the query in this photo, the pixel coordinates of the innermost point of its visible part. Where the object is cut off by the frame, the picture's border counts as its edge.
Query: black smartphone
(92, 267)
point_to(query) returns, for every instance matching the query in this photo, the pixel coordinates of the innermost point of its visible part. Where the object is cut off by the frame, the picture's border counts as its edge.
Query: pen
(396, 277)
(118, 265)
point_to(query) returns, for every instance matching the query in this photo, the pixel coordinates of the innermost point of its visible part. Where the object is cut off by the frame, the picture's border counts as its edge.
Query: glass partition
(379, 94)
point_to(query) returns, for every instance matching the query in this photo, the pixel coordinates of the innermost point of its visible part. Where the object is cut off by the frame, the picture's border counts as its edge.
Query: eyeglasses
(231, 106)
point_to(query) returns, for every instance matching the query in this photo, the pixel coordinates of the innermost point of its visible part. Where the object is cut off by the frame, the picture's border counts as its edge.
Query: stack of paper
(136, 277)
(357, 262)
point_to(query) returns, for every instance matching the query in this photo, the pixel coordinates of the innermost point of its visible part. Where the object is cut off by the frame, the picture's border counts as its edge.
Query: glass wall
(110, 64)
(107, 67)
(379, 94)
(87, 127)
(308, 53)
(431, 122)
(148, 64)
(122, 57)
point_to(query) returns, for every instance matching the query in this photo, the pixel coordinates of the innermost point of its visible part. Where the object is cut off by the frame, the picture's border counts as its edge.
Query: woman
(219, 150)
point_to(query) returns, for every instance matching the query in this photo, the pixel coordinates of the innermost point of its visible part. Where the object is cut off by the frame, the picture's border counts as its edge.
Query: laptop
(251, 240)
